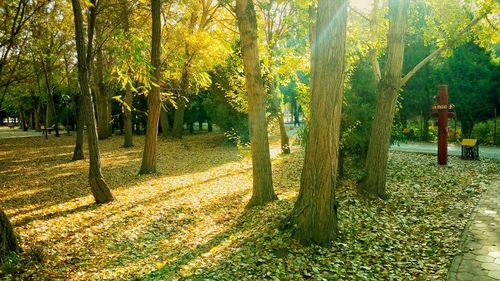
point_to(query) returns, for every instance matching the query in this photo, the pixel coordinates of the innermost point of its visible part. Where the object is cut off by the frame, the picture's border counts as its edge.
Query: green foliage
(10, 264)
(484, 132)
(226, 105)
(132, 63)
(473, 84)
(302, 134)
(358, 109)
(397, 134)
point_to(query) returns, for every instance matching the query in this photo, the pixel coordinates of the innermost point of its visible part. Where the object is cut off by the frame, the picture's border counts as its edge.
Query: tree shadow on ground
(44, 180)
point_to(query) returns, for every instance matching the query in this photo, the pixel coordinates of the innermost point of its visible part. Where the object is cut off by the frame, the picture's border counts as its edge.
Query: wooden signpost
(442, 108)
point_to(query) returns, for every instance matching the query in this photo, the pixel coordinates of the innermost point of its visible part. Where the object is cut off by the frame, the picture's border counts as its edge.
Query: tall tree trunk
(285, 144)
(127, 107)
(127, 118)
(387, 94)
(315, 212)
(165, 123)
(36, 111)
(102, 100)
(80, 123)
(8, 237)
(51, 107)
(99, 188)
(263, 191)
(22, 118)
(178, 128)
(149, 156)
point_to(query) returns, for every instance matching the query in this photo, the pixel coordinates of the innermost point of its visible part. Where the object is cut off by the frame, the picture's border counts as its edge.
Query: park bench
(49, 129)
(470, 149)
(12, 126)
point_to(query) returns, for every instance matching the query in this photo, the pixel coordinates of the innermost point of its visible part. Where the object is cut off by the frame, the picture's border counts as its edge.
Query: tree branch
(434, 54)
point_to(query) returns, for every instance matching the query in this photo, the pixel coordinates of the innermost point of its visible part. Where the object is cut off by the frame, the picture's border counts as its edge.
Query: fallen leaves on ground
(188, 221)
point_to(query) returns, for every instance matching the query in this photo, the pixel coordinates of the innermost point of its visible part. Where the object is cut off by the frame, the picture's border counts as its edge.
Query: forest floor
(189, 221)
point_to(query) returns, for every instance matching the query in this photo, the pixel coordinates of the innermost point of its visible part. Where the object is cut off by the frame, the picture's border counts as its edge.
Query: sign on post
(442, 107)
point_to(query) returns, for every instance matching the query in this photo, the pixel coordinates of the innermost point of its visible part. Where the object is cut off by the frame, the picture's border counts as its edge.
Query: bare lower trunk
(387, 94)
(127, 118)
(178, 128)
(378, 150)
(285, 144)
(22, 118)
(314, 217)
(263, 191)
(80, 123)
(99, 188)
(102, 100)
(36, 113)
(149, 156)
(165, 123)
(8, 238)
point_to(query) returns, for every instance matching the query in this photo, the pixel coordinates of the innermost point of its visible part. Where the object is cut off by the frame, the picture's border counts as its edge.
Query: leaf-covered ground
(188, 221)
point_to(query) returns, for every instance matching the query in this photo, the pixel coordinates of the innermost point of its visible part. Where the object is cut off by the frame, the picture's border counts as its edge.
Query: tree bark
(315, 212)
(80, 123)
(285, 144)
(127, 107)
(165, 123)
(263, 191)
(149, 156)
(102, 99)
(127, 118)
(8, 237)
(99, 188)
(387, 94)
(22, 118)
(51, 107)
(178, 127)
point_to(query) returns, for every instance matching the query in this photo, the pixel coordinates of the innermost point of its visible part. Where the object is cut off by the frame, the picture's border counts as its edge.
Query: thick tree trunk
(165, 123)
(178, 127)
(36, 112)
(8, 238)
(149, 156)
(102, 99)
(315, 212)
(99, 188)
(22, 118)
(127, 118)
(51, 117)
(285, 144)
(263, 191)
(127, 107)
(387, 94)
(80, 123)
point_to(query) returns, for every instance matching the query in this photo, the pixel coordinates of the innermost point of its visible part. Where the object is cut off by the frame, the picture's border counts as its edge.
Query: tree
(275, 14)
(261, 163)
(387, 93)
(390, 82)
(8, 238)
(473, 84)
(127, 112)
(149, 156)
(99, 188)
(201, 42)
(315, 212)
